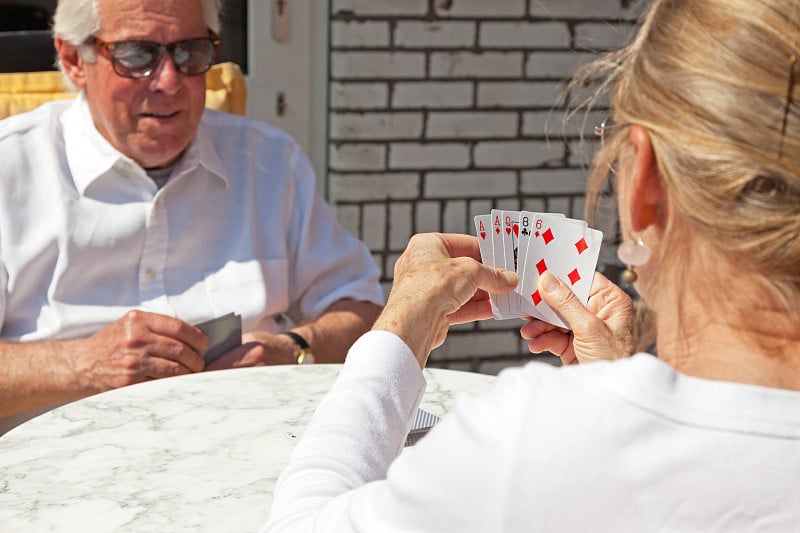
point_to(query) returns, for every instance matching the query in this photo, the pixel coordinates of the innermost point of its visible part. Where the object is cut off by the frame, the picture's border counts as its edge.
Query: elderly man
(131, 213)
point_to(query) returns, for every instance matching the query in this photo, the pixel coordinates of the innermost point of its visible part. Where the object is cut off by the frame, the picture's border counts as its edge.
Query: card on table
(531, 243)
(225, 334)
(423, 423)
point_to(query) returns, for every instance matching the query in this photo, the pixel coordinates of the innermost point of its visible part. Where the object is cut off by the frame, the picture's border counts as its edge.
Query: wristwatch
(306, 356)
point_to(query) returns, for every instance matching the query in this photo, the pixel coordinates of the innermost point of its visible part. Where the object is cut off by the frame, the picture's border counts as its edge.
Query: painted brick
(359, 34)
(371, 187)
(434, 34)
(512, 324)
(479, 207)
(379, 7)
(476, 64)
(601, 36)
(504, 154)
(556, 124)
(471, 125)
(374, 226)
(482, 8)
(519, 94)
(509, 204)
(595, 9)
(400, 229)
(427, 218)
(524, 35)
(535, 204)
(359, 95)
(582, 152)
(562, 205)
(428, 94)
(349, 216)
(553, 181)
(478, 345)
(455, 216)
(357, 157)
(461, 366)
(435, 155)
(390, 65)
(353, 126)
(492, 367)
(556, 64)
(470, 184)
(391, 259)
(386, 287)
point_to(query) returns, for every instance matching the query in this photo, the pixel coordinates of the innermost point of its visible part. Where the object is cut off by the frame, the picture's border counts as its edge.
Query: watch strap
(298, 339)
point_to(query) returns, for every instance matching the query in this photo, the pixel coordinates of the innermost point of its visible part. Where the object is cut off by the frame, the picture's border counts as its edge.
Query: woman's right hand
(602, 330)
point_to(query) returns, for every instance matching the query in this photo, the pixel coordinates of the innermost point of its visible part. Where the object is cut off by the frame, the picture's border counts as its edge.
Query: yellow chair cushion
(24, 91)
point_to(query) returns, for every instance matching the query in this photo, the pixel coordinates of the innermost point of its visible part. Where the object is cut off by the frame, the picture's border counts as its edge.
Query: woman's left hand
(601, 330)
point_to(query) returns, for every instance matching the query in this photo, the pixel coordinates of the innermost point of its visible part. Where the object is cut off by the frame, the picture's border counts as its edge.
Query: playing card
(483, 229)
(511, 256)
(525, 232)
(499, 254)
(565, 248)
(423, 423)
(225, 334)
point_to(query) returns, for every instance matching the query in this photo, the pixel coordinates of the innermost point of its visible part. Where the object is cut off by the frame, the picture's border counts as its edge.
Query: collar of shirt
(81, 137)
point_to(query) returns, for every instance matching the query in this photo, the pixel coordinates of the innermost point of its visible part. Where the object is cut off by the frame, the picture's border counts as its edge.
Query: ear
(71, 63)
(648, 200)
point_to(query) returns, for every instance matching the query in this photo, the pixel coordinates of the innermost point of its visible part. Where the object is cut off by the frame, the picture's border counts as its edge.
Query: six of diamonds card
(534, 243)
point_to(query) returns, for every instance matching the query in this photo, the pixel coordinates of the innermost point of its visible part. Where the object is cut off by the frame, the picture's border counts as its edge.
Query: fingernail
(549, 282)
(511, 277)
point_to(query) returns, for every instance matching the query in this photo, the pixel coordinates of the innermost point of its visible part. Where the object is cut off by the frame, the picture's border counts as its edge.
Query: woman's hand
(601, 330)
(439, 281)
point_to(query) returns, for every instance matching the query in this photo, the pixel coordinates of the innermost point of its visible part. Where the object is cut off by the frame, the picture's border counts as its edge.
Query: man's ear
(71, 63)
(648, 199)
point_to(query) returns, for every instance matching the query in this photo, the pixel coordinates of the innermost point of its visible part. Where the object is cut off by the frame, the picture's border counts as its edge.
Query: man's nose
(165, 77)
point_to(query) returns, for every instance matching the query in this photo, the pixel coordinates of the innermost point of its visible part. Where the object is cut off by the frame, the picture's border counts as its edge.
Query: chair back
(226, 90)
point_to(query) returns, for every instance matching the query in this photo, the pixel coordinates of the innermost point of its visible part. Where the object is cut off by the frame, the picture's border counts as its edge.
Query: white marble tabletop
(192, 453)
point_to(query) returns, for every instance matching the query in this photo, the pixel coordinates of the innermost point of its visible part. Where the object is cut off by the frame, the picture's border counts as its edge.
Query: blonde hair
(709, 80)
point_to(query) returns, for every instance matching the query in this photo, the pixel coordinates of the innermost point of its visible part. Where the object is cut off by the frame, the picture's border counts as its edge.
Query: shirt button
(150, 274)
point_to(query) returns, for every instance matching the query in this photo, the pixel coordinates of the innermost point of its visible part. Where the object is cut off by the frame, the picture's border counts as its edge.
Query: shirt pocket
(255, 289)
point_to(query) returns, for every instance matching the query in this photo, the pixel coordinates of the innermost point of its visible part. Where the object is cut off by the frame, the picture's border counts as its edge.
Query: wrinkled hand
(601, 330)
(439, 281)
(259, 348)
(138, 347)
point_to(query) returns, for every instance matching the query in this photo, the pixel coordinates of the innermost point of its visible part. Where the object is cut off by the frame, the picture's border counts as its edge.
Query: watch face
(305, 357)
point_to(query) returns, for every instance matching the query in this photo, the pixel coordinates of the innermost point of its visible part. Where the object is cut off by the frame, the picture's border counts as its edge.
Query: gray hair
(75, 20)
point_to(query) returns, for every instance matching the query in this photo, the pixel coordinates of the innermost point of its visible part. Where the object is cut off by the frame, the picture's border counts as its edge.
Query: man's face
(151, 120)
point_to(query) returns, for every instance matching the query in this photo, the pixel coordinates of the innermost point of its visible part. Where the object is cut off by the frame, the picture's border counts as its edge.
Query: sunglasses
(139, 59)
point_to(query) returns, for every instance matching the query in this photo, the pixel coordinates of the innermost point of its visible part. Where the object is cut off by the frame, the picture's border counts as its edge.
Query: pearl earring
(633, 253)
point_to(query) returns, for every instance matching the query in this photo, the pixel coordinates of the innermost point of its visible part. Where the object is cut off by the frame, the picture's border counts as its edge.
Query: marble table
(192, 453)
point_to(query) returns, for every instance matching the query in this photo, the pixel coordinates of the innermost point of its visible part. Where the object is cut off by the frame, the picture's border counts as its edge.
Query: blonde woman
(704, 144)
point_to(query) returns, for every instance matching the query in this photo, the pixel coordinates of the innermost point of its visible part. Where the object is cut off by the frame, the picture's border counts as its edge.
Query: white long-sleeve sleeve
(339, 476)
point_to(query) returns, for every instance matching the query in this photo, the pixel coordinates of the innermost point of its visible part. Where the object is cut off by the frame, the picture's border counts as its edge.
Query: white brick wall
(436, 115)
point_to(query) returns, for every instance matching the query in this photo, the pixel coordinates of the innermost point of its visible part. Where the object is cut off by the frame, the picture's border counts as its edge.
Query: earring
(633, 253)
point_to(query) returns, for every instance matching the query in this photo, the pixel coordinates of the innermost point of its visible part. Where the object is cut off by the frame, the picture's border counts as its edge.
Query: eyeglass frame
(106, 49)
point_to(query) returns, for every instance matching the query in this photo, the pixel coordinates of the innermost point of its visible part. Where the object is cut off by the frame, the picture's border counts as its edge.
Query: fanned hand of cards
(531, 244)
(225, 334)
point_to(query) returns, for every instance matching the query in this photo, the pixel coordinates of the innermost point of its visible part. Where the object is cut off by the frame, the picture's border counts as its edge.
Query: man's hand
(259, 348)
(439, 281)
(601, 330)
(138, 347)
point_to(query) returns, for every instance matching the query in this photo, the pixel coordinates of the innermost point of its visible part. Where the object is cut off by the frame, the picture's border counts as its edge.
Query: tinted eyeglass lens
(193, 57)
(135, 58)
